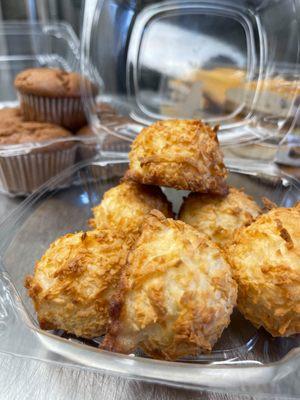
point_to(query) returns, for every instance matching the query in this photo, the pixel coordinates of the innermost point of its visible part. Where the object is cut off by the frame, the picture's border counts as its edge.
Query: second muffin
(31, 153)
(52, 95)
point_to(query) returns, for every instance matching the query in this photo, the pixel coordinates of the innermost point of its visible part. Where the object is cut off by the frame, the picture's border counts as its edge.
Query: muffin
(90, 143)
(277, 96)
(52, 95)
(31, 153)
(88, 147)
(9, 115)
(105, 110)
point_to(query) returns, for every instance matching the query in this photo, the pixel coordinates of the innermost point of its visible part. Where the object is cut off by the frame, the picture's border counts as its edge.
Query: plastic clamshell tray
(24, 167)
(244, 360)
(227, 62)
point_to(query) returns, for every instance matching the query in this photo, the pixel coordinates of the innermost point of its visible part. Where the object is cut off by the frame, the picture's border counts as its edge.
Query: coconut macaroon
(265, 259)
(183, 154)
(125, 206)
(176, 293)
(219, 216)
(75, 279)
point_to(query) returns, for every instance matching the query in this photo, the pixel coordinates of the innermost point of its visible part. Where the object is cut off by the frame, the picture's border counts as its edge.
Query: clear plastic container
(169, 60)
(23, 168)
(232, 63)
(243, 361)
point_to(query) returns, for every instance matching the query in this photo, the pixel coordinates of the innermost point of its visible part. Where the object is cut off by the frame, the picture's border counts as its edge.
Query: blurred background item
(43, 11)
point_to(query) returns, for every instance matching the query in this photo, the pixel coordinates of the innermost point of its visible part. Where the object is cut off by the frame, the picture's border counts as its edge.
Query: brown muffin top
(51, 82)
(25, 132)
(7, 130)
(9, 115)
(85, 131)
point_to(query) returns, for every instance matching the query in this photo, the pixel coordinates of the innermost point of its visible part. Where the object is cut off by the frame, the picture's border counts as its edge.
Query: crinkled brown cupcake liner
(66, 112)
(22, 174)
(87, 151)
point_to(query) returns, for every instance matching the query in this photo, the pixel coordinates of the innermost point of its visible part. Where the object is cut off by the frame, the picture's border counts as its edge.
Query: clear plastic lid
(233, 64)
(26, 165)
(29, 45)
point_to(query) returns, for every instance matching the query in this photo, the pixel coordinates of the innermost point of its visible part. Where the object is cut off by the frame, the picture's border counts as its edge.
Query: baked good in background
(89, 146)
(219, 216)
(91, 143)
(201, 91)
(223, 90)
(52, 95)
(183, 154)
(273, 96)
(113, 120)
(31, 153)
(176, 293)
(125, 206)
(9, 115)
(105, 110)
(32, 132)
(85, 131)
(217, 81)
(265, 260)
(75, 279)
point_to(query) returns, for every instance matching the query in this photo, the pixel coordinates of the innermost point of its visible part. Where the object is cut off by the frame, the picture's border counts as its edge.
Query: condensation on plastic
(233, 63)
(244, 359)
(27, 45)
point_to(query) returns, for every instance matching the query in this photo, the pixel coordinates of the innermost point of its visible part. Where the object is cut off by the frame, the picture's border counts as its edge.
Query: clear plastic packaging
(167, 60)
(231, 63)
(23, 168)
(244, 359)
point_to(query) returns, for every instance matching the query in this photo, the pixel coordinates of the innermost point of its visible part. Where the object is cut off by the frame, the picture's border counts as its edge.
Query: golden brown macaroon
(176, 294)
(75, 279)
(265, 259)
(219, 216)
(125, 206)
(183, 154)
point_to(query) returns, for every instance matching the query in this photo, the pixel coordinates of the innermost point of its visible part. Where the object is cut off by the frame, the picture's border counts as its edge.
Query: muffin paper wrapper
(91, 148)
(22, 174)
(66, 112)
(87, 151)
